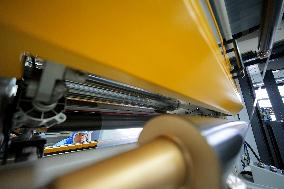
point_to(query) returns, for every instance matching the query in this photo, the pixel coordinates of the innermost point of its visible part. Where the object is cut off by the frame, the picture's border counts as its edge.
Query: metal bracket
(51, 73)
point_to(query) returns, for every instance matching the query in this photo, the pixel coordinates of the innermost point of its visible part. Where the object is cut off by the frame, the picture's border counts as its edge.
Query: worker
(74, 138)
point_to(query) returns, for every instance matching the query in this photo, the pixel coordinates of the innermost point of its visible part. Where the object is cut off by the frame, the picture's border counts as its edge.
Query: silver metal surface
(221, 10)
(222, 138)
(243, 14)
(116, 96)
(267, 176)
(51, 73)
(271, 16)
(22, 119)
(226, 140)
(251, 185)
(111, 108)
(29, 116)
(90, 122)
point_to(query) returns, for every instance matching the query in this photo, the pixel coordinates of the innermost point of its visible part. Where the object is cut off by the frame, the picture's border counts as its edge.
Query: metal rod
(238, 56)
(159, 164)
(272, 14)
(90, 122)
(223, 18)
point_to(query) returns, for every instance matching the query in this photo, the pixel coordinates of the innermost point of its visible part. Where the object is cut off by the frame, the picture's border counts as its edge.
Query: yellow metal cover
(165, 46)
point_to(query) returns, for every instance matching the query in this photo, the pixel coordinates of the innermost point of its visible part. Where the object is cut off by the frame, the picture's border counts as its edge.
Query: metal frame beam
(274, 95)
(258, 128)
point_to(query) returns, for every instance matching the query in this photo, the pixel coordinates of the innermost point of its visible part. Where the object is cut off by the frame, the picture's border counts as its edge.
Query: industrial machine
(101, 65)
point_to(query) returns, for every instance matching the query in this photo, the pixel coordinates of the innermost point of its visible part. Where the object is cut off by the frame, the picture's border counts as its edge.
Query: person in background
(75, 137)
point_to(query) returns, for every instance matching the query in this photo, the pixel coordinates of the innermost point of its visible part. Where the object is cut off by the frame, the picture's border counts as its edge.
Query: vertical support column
(259, 131)
(274, 95)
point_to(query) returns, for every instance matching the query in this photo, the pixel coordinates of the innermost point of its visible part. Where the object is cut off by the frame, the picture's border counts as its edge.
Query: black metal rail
(90, 122)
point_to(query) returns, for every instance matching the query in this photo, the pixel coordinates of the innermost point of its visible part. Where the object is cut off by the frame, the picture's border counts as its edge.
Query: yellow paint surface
(164, 46)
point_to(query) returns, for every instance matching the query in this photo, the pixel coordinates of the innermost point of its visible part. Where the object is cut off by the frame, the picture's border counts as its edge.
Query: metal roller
(272, 13)
(173, 152)
(90, 122)
(37, 174)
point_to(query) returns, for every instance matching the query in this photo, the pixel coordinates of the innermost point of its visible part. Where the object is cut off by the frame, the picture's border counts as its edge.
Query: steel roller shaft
(109, 91)
(173, 152)
(91, 122)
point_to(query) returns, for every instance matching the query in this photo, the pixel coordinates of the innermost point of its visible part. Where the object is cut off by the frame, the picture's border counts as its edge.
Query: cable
(255, 155)
(243, 164)
(246, 153)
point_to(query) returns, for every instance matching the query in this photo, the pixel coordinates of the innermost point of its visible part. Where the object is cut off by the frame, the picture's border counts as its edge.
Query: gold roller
(173, 152)
(158, 164)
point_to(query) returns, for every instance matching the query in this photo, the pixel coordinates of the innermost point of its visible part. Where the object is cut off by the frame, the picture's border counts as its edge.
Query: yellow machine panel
(165, 47)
